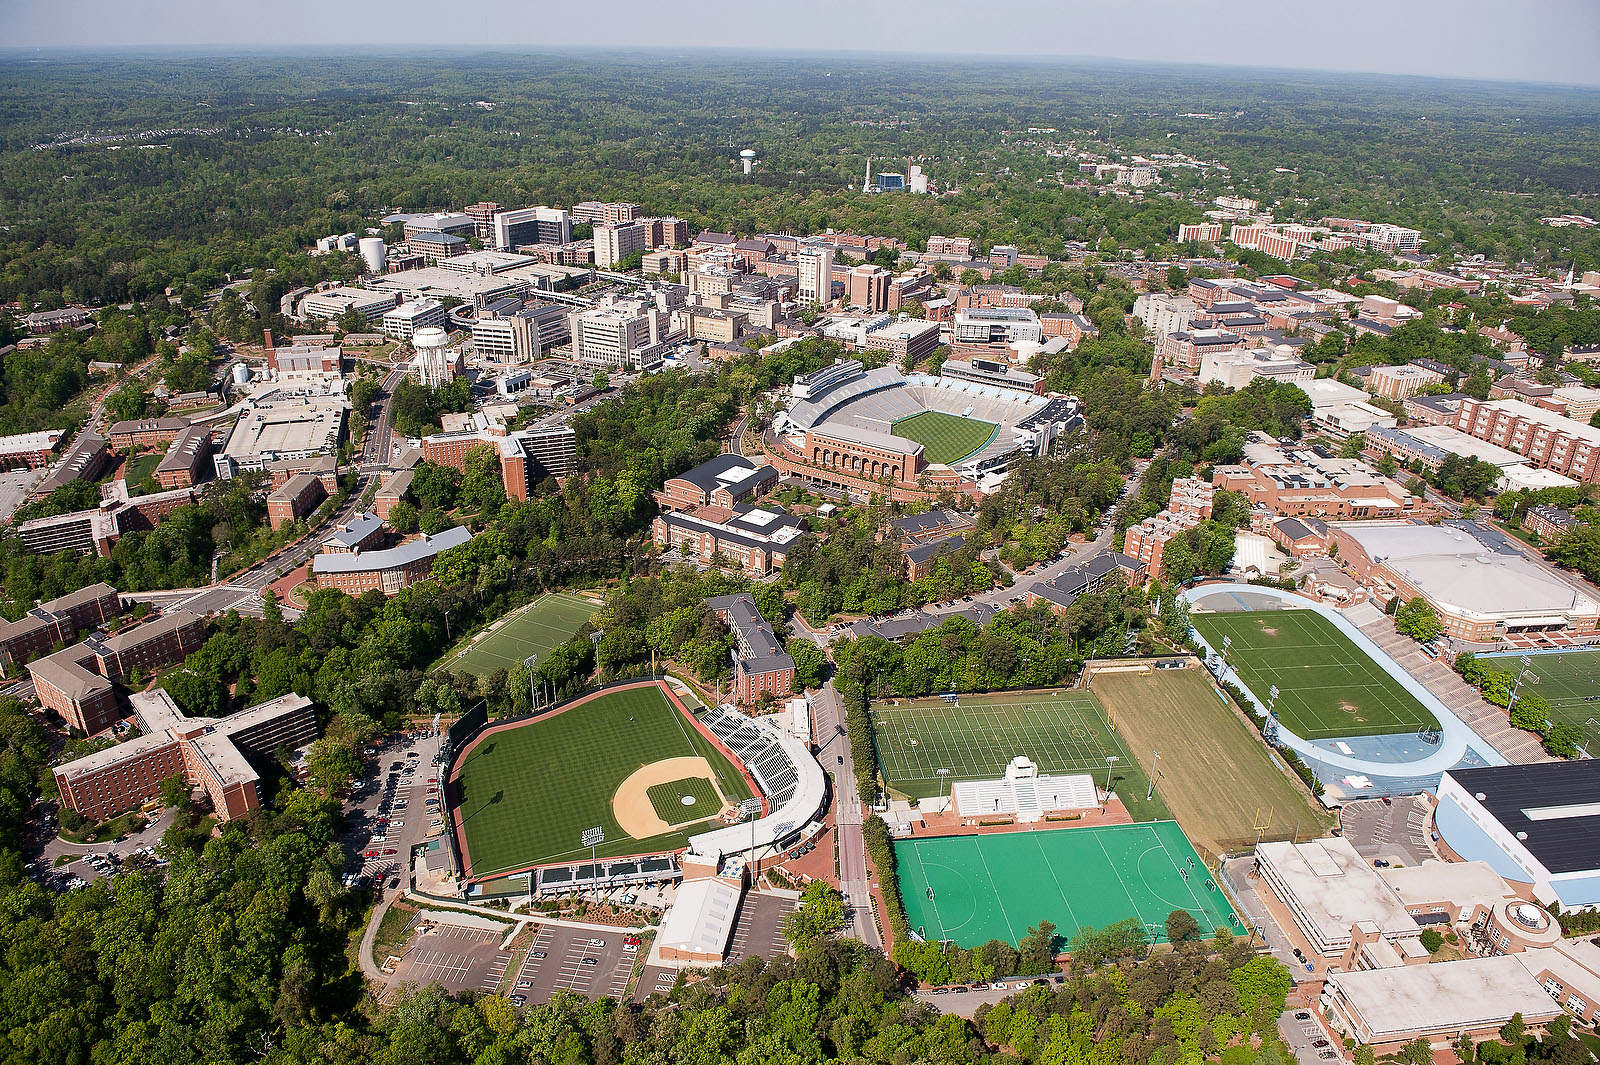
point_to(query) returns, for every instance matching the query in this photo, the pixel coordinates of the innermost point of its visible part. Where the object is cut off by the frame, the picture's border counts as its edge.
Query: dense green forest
(271, 152)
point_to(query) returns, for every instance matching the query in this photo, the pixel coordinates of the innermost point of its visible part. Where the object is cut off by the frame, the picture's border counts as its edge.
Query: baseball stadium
(634, 770)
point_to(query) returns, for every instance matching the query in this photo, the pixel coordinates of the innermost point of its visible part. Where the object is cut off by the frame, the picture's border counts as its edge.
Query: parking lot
(1391, 830)
(458, 959)
(758, 930)
(14, 488)
(592, 964)
(396, 805)
(1306, 1037)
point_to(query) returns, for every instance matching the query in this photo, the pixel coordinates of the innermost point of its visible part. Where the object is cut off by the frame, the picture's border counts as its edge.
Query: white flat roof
(1336, 888)
(1454, 569)
(1557, 422)
(1458, 443)
(1445, 997)
(1326, 392)
(1437, 881)
(701, 918)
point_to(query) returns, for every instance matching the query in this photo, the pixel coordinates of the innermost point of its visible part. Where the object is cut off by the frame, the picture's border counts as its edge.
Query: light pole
(750, 810)
(1522, 675)
(533, 685)
(593, 837)
(1155, 768)
(1111, 760)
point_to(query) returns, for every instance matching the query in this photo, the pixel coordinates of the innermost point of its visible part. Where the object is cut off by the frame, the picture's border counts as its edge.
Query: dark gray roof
(709, 475)
(1564, 834)
(1300, 528)
(915, 524)
(923, 552)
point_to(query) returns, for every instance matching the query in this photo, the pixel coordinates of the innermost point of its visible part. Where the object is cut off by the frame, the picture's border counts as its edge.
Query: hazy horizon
(1546, 42)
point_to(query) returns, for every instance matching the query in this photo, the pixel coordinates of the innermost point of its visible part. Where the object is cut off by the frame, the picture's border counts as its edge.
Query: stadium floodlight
(1156, 771)
(1272, 700)
(1111, 760)
(533, 687)
(750, 810)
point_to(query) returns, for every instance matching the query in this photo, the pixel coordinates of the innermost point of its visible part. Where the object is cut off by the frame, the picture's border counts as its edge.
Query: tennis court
(541, 625)
(1327, 687)
(945, 438)
(972, 889)
(1569, 682)
(926, 745)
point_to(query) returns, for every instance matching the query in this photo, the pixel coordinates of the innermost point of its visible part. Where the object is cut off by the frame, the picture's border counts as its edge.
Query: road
(848, 816)
(736, 441)
(379, 446)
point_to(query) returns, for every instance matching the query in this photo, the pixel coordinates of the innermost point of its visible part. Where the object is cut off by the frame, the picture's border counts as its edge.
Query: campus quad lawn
(1060, 732)
(1327, 687)
(1216, 773)
(541, 626)
(945, 438)
(998, 886)
(525, 795)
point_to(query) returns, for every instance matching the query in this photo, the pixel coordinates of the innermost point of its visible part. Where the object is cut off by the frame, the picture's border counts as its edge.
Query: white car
(998, 985)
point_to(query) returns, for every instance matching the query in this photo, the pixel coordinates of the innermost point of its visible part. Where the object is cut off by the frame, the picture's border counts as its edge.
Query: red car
(390, 851)
(433, 780)
(369, 854)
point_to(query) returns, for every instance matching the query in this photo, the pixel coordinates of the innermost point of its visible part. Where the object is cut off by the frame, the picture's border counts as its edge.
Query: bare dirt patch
(631, 804)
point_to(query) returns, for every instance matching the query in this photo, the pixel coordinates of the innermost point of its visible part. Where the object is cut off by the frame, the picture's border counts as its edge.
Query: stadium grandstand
(908, 436)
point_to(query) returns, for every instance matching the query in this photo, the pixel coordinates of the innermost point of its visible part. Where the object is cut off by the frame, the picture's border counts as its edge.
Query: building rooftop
(1446, 997)
(354, 531)
(701, 918)
(1452, 567)
(139, 635)
(1549, 419)
(1552, 808)
(393, 557)
(724, 471)
(286, 427)
(1337, 888)
(1455, 442)
(1435, 881)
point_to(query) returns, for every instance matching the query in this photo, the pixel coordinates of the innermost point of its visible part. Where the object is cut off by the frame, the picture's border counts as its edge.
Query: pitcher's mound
(661, 796)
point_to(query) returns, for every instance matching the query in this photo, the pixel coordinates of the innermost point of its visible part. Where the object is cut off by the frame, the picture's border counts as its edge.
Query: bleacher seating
(757, 749)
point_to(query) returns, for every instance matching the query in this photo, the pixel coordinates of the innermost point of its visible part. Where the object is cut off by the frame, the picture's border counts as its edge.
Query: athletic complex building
(910, 436)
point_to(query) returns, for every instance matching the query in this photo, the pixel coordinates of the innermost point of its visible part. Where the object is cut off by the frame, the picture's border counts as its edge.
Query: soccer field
(1216, 774)
(535, 629)
(1569, 681)
(1061, 732)
(1327, 687)
(945, 438)
(998, 886)
(524, 795)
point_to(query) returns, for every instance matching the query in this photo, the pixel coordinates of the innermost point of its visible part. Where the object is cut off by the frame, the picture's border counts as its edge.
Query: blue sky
(1525, 40)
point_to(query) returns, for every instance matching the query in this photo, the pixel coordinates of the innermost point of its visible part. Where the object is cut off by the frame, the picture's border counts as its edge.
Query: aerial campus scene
(1027, 533)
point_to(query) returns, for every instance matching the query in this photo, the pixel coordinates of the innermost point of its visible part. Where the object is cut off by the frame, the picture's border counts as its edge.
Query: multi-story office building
(950, 247)
(910, 339)
(412, 315)
(436, 247)
(482, 215)
(527, 456)
(213, 753)
(722, 482)
(77, 682)
(761, 666)
(531, 225)
(614, 243)
(1205, 232)
(1165, 312)
(868, 287)
(330, 304)
(997, 325)
(1546, 439)
(619, 333)
(756, 540)
(815, 276)
(667, 232)
(521, 336)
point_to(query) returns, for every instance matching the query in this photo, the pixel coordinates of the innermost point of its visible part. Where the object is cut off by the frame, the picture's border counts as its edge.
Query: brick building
(33, 450)
(761, 666)
(389, 570)
(1400, 382)
(756, 540)
(187, 460)
(57, 621)
(899, 340)
(212, 753)
(720, 482)
(1546, 439)
(1147, 540)
(298, 497)
(77, 682)
(145, 432)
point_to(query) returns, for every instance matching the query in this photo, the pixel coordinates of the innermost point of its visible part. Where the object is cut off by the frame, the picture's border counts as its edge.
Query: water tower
(373, 252)
(434, 363)
(749, 157)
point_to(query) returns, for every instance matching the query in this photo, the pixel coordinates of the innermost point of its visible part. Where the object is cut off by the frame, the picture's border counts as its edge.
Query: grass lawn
(526, 794)
(1570, 681)
(137, 469)
(534, 629)
(945, 438)
(998, 886)
(1061, 732)
(1327, 687)
(1215, 772)
(667, 800)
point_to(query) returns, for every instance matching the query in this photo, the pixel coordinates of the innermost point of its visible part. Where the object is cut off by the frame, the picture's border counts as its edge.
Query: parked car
(519, 1000)
(390, 851)
(524, 984)
(591, 961)
(539, 955)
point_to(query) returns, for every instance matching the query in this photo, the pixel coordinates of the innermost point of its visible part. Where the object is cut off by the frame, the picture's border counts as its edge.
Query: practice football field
(524, 795)
(535, 629)
(1569, 681)
(975, 739)
(1327, 686)
(998, 886)
(945, 438)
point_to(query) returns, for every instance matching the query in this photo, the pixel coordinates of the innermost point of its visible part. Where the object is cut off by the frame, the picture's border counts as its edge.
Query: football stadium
(861, 429)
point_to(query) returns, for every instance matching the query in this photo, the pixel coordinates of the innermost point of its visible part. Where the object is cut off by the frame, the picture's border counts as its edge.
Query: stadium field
(541, 625)
(975, 738)
(523, 794)
(668, 800)
(1327, 687)
(1569, 682)
(945, 438)
(1203, 740)
(976, 888)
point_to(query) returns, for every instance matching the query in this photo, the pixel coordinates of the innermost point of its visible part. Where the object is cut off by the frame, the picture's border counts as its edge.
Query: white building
(1165, 312)
(992, 325)
(532, 225)
(1237, 368)
(1025, 793)
(815, 276)
(612, 244)
(334, 302)
(620, 334)
(412, 315)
